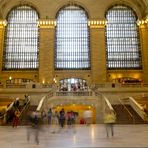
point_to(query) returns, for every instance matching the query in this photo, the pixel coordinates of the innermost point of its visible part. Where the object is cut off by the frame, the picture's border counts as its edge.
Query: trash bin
(33, 86)
(113, 85)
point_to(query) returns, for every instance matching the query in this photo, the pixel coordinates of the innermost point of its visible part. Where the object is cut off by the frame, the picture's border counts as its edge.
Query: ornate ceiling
(142, 4)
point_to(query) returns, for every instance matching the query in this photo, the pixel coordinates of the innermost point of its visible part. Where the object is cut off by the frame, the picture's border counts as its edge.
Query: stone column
(2, 34)
(98, 51)
(46, 53)
(143, 29)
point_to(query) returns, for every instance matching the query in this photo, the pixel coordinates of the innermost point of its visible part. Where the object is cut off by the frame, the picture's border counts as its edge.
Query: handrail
(108, 103)
(106, 100)
(127, 110)
(141, 108)
(40, 104)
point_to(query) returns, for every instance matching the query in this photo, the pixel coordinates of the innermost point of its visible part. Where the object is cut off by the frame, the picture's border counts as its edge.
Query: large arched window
(72, 39)
(123, 49)
(21, 39)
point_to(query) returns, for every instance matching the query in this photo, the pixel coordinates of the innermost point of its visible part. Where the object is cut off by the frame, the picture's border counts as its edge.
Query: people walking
(16, 116)
(71, 117)
(34, 119)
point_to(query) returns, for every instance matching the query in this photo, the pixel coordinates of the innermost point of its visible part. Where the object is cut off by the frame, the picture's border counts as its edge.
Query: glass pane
(21, 40)
(123, 49)
(72, 39)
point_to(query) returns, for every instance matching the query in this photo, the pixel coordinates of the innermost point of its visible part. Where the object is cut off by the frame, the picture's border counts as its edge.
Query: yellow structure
(80, 109)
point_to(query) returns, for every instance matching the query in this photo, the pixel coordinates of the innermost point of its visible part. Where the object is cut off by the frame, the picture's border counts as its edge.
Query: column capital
(3, 23)
(46, 23)
(143, 23)
(97, 23)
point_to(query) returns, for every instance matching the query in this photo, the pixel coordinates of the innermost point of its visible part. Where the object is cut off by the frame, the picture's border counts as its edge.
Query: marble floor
(82, 136)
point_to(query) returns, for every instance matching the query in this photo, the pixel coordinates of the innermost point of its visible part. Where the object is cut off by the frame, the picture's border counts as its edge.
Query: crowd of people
(58, 117)
(61, 120)
(58, 120)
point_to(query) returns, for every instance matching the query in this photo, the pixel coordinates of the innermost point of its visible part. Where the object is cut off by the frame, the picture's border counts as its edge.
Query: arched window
(73, 84)
(21, 39)
(72, 39)
(123, 45)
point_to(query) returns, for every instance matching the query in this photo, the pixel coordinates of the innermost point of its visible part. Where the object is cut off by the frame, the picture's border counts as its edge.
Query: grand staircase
(24, 119)
(127, 115)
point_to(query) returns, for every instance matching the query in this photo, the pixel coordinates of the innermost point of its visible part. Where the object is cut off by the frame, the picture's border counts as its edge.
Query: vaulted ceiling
(142, 4)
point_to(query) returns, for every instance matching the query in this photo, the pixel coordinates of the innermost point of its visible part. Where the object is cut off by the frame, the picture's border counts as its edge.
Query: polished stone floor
(78, 137)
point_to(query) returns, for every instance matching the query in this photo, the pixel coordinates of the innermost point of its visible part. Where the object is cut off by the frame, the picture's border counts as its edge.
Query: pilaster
(143, 29)
(3, 24)
(46, 55)
(98, 51)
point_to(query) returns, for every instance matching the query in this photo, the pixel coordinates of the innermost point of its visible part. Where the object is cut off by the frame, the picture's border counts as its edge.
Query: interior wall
(96, 11)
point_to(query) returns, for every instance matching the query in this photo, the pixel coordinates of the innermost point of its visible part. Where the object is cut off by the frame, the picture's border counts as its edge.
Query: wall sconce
(55, 81)
(10, 78)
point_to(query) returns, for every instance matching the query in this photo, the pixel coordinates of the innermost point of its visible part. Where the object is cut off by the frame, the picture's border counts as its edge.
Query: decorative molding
(46, 23)
(3, 23)
(97, 23)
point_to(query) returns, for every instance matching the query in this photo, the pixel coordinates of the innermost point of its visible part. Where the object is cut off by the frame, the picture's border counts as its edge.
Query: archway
(73, 84)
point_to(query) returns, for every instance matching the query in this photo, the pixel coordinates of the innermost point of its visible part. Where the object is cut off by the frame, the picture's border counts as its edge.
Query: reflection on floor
(80, 136)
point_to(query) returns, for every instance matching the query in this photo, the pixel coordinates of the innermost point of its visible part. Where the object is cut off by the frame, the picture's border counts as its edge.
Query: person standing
(55, 121)
(88, 116)
(62, 118)
(49, 116)
(109, 120)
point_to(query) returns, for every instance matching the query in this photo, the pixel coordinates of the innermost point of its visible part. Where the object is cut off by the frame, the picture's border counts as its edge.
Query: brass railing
(73, 93)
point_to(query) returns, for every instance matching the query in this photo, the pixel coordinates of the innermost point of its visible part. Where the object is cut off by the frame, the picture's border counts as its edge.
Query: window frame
(35, 37)
(88, 43)
(120, 62)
